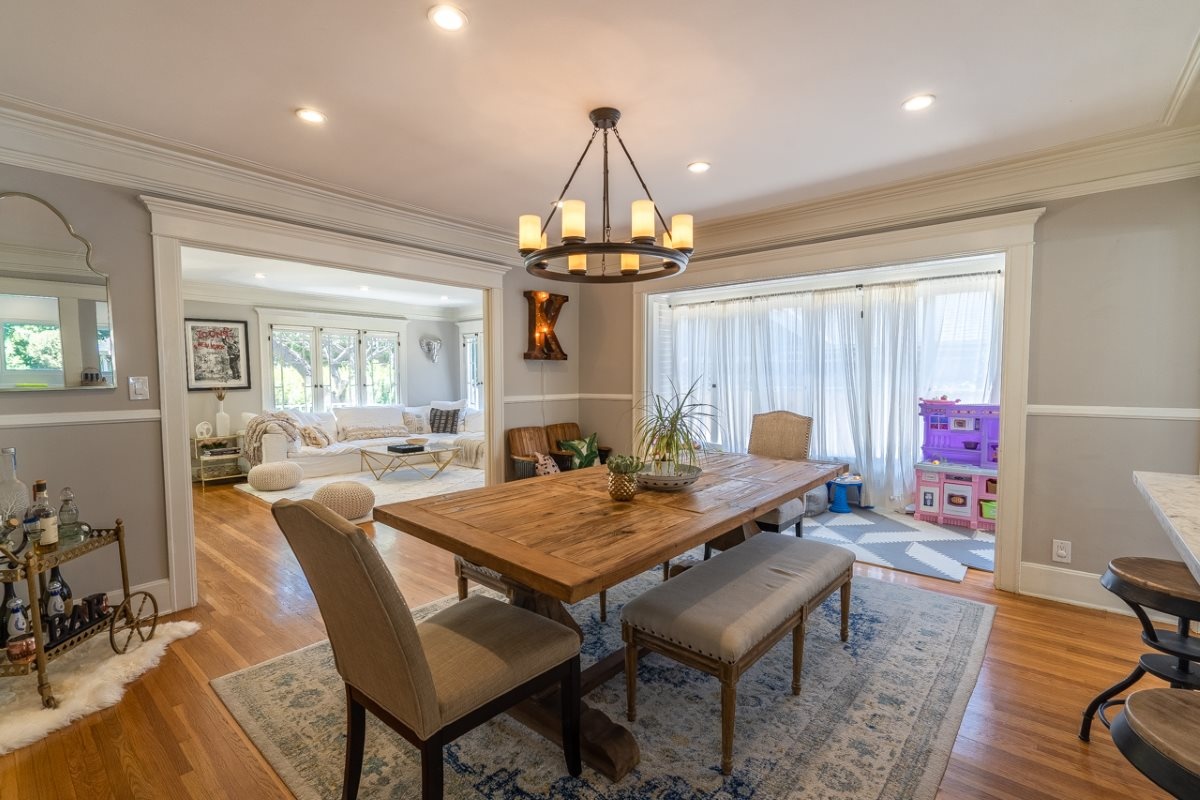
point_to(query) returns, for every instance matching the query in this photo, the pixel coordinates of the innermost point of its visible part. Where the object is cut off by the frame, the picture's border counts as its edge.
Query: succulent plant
(625, 465)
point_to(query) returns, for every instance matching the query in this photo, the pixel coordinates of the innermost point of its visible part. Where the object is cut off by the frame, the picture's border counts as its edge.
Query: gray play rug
(904, 543)
(877, 716)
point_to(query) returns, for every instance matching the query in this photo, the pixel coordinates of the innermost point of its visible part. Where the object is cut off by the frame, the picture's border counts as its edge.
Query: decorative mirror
(55, 317)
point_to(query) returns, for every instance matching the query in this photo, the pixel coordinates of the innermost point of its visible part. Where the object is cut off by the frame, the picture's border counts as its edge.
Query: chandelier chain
(567, 185)
(641, 180)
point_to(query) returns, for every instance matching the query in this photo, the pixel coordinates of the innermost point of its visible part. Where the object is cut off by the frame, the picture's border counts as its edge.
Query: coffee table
(380, 461)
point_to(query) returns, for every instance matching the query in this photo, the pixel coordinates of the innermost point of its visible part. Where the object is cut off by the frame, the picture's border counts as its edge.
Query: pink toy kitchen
(957, 477)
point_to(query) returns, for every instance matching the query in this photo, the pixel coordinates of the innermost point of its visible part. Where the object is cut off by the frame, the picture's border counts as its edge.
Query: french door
(318, 369)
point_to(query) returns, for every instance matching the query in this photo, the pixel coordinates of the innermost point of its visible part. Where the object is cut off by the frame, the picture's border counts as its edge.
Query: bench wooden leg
(604, 605)
(462, 588)
(728, 706)
(797, 656)
(631, 660)
(846, 610)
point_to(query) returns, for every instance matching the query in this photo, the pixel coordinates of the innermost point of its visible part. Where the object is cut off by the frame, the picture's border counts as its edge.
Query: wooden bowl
(417, 440)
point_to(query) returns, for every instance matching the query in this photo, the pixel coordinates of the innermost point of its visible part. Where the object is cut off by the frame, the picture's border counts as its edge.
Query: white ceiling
(326, 284)
(789, 99)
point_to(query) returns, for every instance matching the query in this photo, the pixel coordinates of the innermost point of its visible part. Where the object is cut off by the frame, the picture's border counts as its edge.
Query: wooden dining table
(560, 538)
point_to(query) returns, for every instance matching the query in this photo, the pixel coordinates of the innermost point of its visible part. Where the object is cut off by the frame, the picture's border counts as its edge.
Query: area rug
(396, 487)
(905, 543)
(87, 679)
(877, 716)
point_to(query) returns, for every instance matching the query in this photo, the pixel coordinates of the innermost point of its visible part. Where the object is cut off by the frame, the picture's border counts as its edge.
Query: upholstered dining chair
(431, 681)
(775, 434)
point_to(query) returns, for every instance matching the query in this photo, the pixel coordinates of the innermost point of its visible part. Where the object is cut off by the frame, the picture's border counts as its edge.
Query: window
(471, 370)
(856, 358)
(317, 369)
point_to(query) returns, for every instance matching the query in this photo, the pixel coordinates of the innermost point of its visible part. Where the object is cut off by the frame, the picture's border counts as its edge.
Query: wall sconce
(543, 314)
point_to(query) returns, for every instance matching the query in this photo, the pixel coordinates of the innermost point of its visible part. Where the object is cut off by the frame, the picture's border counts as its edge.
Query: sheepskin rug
(87, 679)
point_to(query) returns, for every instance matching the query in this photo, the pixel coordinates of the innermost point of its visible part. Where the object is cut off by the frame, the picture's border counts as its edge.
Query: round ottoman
(350, 499)
(275, 477)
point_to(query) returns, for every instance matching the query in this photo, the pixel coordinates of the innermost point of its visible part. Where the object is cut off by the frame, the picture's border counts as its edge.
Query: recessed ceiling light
(445, 297)
(310, 115)
(918, 102)
(448, 18)
(364, 288)
(260, 275)
(699, 166)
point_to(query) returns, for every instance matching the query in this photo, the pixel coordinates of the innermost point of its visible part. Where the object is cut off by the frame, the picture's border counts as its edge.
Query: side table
(838, 488)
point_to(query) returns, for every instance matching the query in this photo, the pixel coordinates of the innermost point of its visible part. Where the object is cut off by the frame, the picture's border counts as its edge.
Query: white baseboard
(1075, 588)
(161, 589)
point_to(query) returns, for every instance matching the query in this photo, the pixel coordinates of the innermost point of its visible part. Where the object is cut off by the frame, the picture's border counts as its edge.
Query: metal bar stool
(1157, 732)
(1167, 587)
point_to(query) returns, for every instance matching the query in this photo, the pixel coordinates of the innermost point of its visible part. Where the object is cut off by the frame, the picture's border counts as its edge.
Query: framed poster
(218, 354)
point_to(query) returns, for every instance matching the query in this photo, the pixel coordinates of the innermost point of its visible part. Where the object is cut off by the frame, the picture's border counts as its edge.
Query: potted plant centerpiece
(670, 436)
(622, 476)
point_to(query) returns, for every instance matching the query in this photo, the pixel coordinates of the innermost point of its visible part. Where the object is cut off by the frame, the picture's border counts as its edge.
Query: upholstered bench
(723, 614)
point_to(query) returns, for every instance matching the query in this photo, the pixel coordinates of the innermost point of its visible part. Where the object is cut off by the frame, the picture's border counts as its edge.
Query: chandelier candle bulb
(629, 263)
(681, 231)
(643, 220)
(577, 263)
(529, 227)
(573, 221)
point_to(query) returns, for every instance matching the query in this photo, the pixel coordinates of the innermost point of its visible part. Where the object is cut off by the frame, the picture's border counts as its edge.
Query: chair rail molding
(174, 224)
(46, 419)
(1115, 412)
(1010, 233)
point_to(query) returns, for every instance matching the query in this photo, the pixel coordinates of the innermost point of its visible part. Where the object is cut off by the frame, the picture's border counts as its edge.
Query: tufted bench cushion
(350, 499)
(722, 607)
(275, 477)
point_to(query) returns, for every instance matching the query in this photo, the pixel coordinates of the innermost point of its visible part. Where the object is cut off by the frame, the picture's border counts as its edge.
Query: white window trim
(1010, 233)
(359, 322)
(466, 327)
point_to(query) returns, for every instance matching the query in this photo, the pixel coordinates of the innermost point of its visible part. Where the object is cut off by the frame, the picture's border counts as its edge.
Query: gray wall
(115, 469)
(1114, 323)
(607, 312)
(428, 381)
(535, 379)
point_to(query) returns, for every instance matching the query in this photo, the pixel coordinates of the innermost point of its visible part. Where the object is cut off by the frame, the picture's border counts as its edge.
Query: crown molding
(47, 139)
(1188, 78)
(254, 296)
(50, 140)
(1068, 171)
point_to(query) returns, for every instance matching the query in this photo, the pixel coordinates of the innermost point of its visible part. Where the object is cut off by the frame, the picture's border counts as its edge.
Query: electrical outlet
(1061, 551)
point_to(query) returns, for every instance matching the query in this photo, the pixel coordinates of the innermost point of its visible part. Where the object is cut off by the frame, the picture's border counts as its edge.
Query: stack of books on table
(223, 451)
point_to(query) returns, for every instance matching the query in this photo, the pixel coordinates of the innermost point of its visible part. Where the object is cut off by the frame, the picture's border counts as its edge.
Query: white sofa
(344, 425)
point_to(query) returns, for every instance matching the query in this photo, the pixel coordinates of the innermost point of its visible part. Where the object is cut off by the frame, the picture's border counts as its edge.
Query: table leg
(608, 748)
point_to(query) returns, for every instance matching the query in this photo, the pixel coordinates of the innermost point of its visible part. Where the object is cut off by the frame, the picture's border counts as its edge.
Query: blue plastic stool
(841, 503)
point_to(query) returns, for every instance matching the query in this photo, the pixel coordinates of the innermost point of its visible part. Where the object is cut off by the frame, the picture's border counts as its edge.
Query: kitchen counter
(1175, 500)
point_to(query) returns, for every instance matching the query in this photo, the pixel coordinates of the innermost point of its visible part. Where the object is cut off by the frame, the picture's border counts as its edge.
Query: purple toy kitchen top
(958, 433)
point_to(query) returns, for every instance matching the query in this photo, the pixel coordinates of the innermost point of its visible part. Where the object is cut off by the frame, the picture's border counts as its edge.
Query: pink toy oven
(957, 480)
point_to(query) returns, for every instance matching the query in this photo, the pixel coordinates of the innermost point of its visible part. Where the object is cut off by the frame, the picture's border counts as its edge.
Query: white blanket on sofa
(276, 422)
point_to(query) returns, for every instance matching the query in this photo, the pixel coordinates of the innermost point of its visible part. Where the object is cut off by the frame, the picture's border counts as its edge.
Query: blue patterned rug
(877, 716)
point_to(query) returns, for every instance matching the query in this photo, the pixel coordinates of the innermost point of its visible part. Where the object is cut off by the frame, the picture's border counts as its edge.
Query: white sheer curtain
(857, 360)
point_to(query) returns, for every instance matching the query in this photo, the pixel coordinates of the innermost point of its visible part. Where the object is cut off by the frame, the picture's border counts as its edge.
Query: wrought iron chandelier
(639, 259)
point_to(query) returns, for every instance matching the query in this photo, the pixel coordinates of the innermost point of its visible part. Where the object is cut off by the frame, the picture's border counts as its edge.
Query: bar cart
(132, 623)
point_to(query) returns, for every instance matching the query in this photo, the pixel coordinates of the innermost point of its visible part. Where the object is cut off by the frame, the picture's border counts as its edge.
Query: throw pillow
(443, 420)
(545, 465)
(315, 436)
(415, 422)
(357, 432)
(584, 452)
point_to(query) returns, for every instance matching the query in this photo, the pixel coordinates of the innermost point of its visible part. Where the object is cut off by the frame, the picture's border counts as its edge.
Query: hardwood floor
(171, 737)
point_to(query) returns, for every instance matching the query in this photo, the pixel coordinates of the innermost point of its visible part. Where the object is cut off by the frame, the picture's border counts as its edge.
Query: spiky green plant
(671, 429)
(625, 465)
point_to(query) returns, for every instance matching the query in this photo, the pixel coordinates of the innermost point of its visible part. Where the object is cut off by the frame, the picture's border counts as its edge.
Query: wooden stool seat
(1159, 585)
(1158, 575)
(1157, 731)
